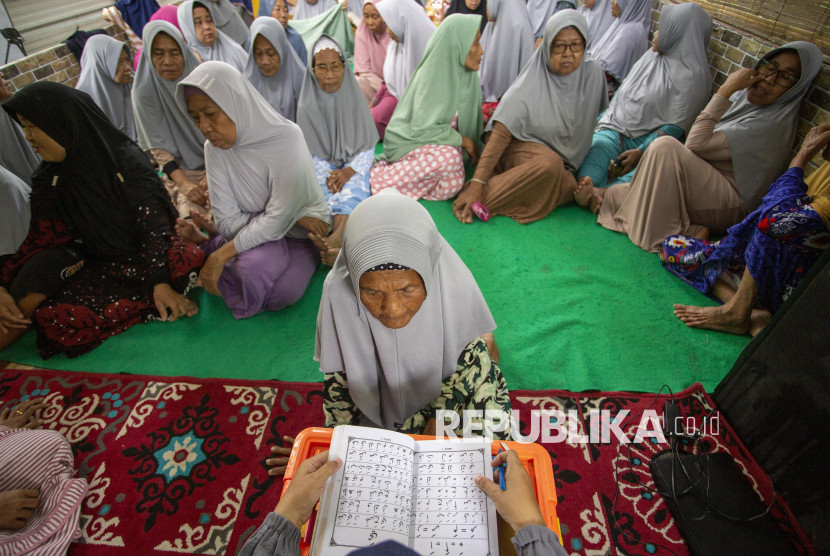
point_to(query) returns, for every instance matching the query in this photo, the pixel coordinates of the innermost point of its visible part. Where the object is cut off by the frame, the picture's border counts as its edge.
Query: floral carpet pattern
(177, 465)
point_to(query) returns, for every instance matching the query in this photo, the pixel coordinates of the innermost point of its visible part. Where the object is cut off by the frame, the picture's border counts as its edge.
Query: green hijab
(440, 86)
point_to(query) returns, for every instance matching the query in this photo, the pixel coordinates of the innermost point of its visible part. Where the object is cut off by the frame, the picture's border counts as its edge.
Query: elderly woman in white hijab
(737, 146)
(508, 42)
(666, 89)
(208, 42)
(273, 67)
(625, 41)
(541, 131)
(403, 330)
(106, 75)
(598, 15)
(263, 190)
(170, 136)
(341, 136)
(410, 29)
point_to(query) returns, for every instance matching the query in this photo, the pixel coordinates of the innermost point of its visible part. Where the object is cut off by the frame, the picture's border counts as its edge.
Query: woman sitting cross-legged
(263, 190)
(767, 254)
(541, 131)
(665, 91)
(341, 136)
(421, 149)
(101, 254)
(403, 330)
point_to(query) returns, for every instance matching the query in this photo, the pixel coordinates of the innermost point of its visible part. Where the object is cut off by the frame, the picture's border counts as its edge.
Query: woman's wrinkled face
(566, 51)
(392, 296)
(372, 19)
(205, 28)
(43, 145)
(782, 71)
(212, 121)
(167, 57)
(472, 4)
(473, 60)
(124, 69)
(615, 8)
(329, 70)
(266, 57)
(280, 12)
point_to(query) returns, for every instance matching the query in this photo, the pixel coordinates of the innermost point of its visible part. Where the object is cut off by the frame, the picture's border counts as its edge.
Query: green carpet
(578, 307)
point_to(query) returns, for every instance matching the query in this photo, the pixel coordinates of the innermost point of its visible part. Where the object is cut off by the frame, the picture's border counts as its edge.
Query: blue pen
(502, 467)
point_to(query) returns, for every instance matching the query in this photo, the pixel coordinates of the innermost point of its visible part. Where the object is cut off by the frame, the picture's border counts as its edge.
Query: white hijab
(394, 373)
(626, 38)
(99, 62)
(224, 48)
(508, 45)
(14, 211)
(671, 86)
(557, 111)
(304, 10)
(599, 19)
(283, 89)
(412, 26)
(268, 169)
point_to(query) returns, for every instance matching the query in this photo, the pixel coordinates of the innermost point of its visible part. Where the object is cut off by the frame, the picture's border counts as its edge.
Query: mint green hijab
(440, 87)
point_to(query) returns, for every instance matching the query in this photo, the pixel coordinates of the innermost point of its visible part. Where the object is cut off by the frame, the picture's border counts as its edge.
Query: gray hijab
(304, 10)
(559, 112)
(228, 20)
(671, 86)
(159, 122)
(508, 45)
(413, 27)
(626, 38)
(283, 89)
(99, 63)
(14, 211)
(394, 373)
(16, 155)
(336, 126)
(539, 12)
(760, 137)
(599, 19)
(224, 48)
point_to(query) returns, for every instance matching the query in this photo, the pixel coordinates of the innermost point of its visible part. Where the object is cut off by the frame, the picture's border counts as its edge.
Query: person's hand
(306, 487)
(194, 192)
(345, 5)
(739, 80)
(338, 178)
(817, 139)
(314, 225)
(279, 464)
(166, 298)
(210, 273)
(630, 159)
(588, 4)
(22, 416)
(492, 347)
(517, 503)
(15, 508)
(472, 192)
(469, 145)
(10, 314)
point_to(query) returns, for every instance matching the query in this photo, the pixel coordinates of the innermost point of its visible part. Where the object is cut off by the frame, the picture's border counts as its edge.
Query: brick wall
(55, 64)
(730, 49)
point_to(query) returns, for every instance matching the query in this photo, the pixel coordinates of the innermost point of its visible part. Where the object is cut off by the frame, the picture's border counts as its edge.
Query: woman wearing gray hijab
(625, 41)
(736, 148)
(666, 89)
(229, 21)
(209, 43)
(273, 67)
(106, 76)
(162, 129)
(340, 134)
(508, 42)
(541, 130)
(598, 15)
(402, 329)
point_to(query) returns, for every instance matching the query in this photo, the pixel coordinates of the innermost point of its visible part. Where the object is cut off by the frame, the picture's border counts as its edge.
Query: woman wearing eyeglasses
(541, 131)
(737, 146)
(341, 135)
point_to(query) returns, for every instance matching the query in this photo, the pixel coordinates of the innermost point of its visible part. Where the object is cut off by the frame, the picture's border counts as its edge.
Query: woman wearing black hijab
(469, 7)
(101, 254)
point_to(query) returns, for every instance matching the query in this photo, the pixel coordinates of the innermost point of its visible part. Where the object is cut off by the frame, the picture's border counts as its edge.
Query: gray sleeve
(276, 535)
(535, 540)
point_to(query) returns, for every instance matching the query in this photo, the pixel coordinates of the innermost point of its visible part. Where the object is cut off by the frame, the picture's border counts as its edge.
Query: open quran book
(419, 493)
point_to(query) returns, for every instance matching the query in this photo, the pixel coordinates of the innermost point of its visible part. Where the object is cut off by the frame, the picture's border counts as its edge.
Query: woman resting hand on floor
(768, 253)
(101, 254)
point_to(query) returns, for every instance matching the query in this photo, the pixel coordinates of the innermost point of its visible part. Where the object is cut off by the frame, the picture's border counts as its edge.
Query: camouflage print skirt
(477, 384)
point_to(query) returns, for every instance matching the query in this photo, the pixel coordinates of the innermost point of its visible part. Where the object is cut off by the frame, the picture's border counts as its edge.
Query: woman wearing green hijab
(422, 150)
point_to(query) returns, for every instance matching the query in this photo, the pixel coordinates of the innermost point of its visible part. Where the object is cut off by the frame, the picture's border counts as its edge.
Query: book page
(370, 497)
(452, 516)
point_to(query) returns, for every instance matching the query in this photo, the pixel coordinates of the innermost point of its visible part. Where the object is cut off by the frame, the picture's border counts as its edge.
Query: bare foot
(15, 507)
(319, 242)
(329, 256)
(702, 233)
(203, 223)
(759, 319)
(584, 191)
(596, 199)
(190, 231)
(712, 318)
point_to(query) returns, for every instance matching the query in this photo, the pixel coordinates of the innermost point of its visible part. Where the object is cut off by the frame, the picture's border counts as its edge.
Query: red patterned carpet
(178, 464)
